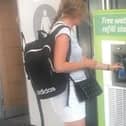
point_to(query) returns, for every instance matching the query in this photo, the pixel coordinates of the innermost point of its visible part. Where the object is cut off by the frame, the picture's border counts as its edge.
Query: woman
(71, 13)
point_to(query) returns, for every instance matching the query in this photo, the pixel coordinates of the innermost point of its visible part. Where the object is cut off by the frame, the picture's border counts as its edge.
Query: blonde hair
(71, 8)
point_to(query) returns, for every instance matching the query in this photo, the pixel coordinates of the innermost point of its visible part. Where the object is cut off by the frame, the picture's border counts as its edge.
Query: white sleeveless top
(76, 51)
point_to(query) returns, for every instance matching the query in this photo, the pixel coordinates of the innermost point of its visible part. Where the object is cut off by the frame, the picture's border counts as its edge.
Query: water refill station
(110, 47)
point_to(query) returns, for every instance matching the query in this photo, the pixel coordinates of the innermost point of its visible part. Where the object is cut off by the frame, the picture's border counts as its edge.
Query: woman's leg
(81, 122)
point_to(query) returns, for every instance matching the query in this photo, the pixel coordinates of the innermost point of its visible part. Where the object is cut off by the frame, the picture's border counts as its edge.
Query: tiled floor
(24, 119)
(17, 121)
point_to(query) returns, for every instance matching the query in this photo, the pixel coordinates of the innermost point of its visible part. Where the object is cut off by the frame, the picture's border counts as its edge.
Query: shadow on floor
(16, 121)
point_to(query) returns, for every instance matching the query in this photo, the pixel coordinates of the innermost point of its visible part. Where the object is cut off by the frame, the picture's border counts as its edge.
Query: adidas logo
(46, 91)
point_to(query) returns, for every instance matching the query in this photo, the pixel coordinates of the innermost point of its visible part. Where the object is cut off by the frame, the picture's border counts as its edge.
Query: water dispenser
(118, 55)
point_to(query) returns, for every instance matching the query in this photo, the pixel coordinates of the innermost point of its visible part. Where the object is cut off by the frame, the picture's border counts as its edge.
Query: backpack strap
(40, 108)
(55, 32)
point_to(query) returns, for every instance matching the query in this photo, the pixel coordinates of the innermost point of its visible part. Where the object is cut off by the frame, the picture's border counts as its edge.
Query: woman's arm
(62, 66)
(108, 67)
(60, 54)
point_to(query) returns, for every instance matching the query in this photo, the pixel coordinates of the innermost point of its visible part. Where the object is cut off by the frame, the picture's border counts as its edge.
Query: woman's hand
(114, 67)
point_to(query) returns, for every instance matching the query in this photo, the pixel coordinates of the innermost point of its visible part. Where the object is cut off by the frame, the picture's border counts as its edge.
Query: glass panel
(121, 4)
(95, 5)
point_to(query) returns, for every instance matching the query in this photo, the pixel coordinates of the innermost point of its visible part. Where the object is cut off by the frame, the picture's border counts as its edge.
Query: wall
(12, 78)
(29, 24)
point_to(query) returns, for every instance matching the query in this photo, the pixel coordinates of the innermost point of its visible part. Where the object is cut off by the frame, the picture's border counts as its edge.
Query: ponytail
(59, 15)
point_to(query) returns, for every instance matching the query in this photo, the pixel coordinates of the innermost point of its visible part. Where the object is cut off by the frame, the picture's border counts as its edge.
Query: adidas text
(46, 91)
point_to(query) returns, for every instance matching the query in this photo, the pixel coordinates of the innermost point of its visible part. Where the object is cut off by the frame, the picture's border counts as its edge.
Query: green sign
(110, 24)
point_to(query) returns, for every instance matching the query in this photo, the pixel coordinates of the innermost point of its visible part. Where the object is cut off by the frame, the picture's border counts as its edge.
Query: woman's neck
(68, 22)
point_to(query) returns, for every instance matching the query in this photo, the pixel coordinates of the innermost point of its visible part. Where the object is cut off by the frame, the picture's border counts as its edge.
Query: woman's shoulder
(64, 30)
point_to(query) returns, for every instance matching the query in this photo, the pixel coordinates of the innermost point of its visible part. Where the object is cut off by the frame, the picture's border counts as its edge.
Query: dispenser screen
(121, 75)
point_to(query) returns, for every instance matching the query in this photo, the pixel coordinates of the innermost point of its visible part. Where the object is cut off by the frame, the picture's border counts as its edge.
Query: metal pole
(103, 5)
(108, 4)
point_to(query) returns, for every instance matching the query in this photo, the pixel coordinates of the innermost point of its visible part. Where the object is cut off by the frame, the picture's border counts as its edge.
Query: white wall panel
(29, 23)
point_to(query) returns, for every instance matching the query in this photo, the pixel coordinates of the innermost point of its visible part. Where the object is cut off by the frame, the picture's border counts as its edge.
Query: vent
(117, 105)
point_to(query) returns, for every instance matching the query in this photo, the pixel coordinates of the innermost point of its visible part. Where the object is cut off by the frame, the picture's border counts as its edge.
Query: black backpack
(38, 57)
